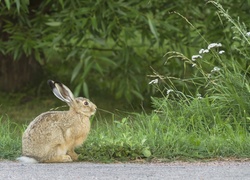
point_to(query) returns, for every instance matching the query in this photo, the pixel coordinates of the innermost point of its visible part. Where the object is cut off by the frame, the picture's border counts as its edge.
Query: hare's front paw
(66, 158)
(59, 159)
(73, 155)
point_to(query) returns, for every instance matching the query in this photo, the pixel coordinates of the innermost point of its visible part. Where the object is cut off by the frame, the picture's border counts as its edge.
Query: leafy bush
(109, 46)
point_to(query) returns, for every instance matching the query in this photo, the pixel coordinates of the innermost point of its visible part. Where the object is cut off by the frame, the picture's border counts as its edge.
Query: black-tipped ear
(61, 91)
(51, 83)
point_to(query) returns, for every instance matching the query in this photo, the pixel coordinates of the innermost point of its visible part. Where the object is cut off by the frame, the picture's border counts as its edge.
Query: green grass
(180, 133)
(10, 138)
(213, 122)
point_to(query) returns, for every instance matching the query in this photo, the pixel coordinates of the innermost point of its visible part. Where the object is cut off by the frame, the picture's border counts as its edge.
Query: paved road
(128, 171)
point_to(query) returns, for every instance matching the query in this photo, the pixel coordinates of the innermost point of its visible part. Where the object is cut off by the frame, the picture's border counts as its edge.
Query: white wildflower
(213, 45)
(199, 96)
(206, 51)
(221, 52)
(215, 69)
(169, 91)
(201, 51)
(193, 65)
(248, 34)
(194, 57)
(155, 81)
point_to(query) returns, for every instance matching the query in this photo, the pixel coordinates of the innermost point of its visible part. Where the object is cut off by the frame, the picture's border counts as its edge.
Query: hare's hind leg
(58, 154)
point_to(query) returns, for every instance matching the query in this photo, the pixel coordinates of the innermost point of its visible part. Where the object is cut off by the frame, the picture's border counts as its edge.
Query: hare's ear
(61, 91)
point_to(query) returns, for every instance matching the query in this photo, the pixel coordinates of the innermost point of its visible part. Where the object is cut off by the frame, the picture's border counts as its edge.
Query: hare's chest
(84, 128)
(83, 132)
(78, 132)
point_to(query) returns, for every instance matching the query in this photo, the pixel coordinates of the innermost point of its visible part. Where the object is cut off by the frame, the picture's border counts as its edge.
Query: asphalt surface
(130, 171)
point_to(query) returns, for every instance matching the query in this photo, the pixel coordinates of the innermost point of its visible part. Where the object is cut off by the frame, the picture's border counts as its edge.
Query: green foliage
(202, 114)
(109, 45)
(219, 75)
(212, 121)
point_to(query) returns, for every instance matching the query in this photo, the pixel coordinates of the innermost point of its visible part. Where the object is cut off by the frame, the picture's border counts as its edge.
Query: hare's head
(80, 105)
(84, 106)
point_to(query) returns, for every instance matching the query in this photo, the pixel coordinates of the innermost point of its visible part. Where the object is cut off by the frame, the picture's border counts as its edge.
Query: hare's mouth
(93, 112)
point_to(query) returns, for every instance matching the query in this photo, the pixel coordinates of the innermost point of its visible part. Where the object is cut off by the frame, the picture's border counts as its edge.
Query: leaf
(83, 54)
(152, 27)
(62, 3)
(137, 94)
(76, 70)
(108, 61)
(146, 152)
(87, 67)
(77, 90)
(18, 5)
(99, 68)
(72, 54)
(7, 2)
(53, 23)
(38, 56)
(85, 89)
(155, 118)
(94, 23)
(16, 54)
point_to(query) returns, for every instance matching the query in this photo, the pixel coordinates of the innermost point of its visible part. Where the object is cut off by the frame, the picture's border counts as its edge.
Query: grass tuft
(10, 138)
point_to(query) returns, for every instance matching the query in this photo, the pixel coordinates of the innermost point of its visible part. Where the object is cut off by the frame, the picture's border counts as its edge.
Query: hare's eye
(86, 103)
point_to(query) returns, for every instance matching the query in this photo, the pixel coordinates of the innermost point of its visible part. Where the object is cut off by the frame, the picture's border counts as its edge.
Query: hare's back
(46, 122)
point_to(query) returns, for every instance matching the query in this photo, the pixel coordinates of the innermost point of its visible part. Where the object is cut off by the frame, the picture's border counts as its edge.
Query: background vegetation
(108, 47)
(113, 50)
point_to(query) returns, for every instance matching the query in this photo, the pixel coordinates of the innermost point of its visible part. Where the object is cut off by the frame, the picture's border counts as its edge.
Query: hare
(52, 136)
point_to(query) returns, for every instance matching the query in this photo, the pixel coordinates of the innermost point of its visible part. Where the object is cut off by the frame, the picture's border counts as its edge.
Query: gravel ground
(81, 170)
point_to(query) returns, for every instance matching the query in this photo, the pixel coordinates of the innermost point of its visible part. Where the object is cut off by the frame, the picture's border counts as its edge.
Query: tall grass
(178, 130)
(10, 138)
